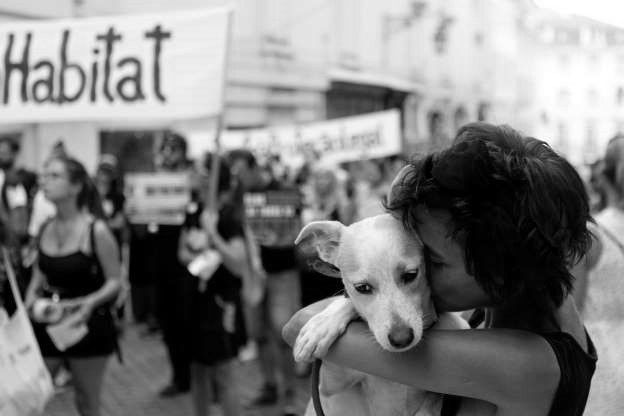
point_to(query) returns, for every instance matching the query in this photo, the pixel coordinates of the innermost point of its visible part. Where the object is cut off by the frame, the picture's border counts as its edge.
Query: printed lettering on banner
(347, 139)
(131, 67)
(159, 198)
(274, 216)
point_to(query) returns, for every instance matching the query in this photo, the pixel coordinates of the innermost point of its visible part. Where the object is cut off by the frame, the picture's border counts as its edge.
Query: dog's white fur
(377, 252)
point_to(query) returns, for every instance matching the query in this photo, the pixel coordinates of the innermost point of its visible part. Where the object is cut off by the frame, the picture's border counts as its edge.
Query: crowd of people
(74, 246)
(218, 293)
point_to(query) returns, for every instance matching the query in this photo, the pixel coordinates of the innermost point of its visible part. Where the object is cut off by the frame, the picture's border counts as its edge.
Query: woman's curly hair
(518, 208)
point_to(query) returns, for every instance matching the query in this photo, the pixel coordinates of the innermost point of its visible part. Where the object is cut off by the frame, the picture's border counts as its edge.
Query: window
(563, 98)
(592, 97)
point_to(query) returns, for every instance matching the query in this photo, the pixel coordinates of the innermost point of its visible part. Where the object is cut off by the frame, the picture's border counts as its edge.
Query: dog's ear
(324, 236)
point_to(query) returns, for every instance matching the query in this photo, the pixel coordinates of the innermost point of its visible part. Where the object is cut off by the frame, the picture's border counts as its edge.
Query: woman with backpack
(75, 280)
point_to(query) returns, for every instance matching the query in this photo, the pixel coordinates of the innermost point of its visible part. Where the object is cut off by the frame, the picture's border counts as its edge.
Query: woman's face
(452, 287)
(103, 182)
(324, 182)
(56, 184)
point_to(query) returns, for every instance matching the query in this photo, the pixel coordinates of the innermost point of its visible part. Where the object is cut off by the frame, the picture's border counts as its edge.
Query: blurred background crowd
(540, 66)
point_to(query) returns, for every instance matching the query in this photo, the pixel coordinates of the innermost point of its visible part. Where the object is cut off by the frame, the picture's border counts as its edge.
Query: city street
(132, 388)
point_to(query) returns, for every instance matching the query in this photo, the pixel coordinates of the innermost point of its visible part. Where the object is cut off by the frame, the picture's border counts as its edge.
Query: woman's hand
(322, 330)
(209, 220)
(83, 309)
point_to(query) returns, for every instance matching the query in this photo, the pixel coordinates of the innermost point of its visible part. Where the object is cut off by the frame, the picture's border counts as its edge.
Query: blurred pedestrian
(326, 201)
(369, 190)
(599, 295)
(212, 247)
(281, 301)
(108, 182)
(247, 177)
(13, 206)
(173, 291)
(78, 269)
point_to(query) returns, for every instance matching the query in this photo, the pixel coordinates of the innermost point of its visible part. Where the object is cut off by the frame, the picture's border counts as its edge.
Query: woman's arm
(232, 251)
(511, 369)
(33, 287)
(184, 254)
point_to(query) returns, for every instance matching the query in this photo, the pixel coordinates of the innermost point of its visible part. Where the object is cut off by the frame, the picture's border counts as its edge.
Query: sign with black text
(274, 216)
(132, 67)
(159, 198)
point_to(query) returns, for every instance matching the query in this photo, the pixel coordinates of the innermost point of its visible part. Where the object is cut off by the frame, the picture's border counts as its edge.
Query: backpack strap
(42, 228)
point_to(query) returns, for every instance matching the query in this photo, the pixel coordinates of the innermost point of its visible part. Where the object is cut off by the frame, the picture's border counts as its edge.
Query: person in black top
(503, 219)
(158, 263)
(78, 268)
(281, 301)
(216, 320)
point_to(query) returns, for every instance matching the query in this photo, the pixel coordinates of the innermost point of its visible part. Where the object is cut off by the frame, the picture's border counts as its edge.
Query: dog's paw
(320, 332)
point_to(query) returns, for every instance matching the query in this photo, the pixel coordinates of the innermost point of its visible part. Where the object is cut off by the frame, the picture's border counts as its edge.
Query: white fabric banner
(338, 140)
(138, 67)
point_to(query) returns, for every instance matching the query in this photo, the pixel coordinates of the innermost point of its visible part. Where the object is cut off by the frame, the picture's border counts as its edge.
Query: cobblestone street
(132, 388)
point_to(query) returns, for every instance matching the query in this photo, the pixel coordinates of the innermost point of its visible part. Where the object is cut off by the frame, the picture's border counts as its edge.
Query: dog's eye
(409, 277)
(364, 288)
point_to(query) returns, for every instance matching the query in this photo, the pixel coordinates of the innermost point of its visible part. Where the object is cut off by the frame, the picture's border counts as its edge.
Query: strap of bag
(10, 272)
(612, 237)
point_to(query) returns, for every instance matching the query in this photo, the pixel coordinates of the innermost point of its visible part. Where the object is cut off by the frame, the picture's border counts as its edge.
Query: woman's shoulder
(99, 229)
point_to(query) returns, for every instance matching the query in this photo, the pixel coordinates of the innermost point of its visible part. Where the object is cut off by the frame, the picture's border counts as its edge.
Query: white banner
(339, 140)
(139, 67)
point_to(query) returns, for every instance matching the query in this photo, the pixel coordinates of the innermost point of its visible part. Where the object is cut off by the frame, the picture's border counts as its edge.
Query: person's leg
(178, 356)
(284, 304)
(229, 395)
(88, 374)
(266, 352)
(201, 389)
(53, 364)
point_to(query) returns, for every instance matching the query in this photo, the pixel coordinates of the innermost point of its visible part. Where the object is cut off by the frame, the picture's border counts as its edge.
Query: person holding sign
(75, 280)
(274, 216)
(212, 247)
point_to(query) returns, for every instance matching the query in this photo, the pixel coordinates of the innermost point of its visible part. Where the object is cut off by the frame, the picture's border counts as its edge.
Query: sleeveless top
(72, 275)
(603, 313)
(576, 367)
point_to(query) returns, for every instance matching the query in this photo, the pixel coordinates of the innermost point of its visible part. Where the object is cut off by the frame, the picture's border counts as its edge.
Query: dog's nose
(400, 337)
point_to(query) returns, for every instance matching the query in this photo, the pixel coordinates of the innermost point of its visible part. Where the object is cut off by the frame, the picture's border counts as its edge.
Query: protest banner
(159, 198)
(338, 140)
(274, 216)
(140, 67)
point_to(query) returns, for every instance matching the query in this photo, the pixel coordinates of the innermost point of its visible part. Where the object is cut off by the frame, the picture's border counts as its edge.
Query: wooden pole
(213, 191)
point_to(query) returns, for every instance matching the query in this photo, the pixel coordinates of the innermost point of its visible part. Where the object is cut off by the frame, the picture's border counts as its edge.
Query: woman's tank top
(72, 275)
(577, 368)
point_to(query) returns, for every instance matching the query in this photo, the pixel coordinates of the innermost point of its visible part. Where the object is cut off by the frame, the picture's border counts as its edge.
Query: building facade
(441, 62)
(578, 83)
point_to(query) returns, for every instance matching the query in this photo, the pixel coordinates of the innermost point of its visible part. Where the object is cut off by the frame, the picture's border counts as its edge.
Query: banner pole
(212, 203)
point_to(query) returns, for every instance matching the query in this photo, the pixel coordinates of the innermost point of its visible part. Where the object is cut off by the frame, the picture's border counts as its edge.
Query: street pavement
(132, 388)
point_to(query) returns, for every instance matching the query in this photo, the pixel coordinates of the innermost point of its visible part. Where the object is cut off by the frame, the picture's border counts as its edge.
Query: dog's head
(383, 271)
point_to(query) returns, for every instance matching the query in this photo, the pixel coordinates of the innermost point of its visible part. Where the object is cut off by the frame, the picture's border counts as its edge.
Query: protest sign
(339, 140)
(274, 216)
(157, 197)
(146, 67)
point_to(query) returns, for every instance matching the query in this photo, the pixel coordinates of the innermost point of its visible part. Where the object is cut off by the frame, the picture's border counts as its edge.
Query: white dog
(383, 271)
